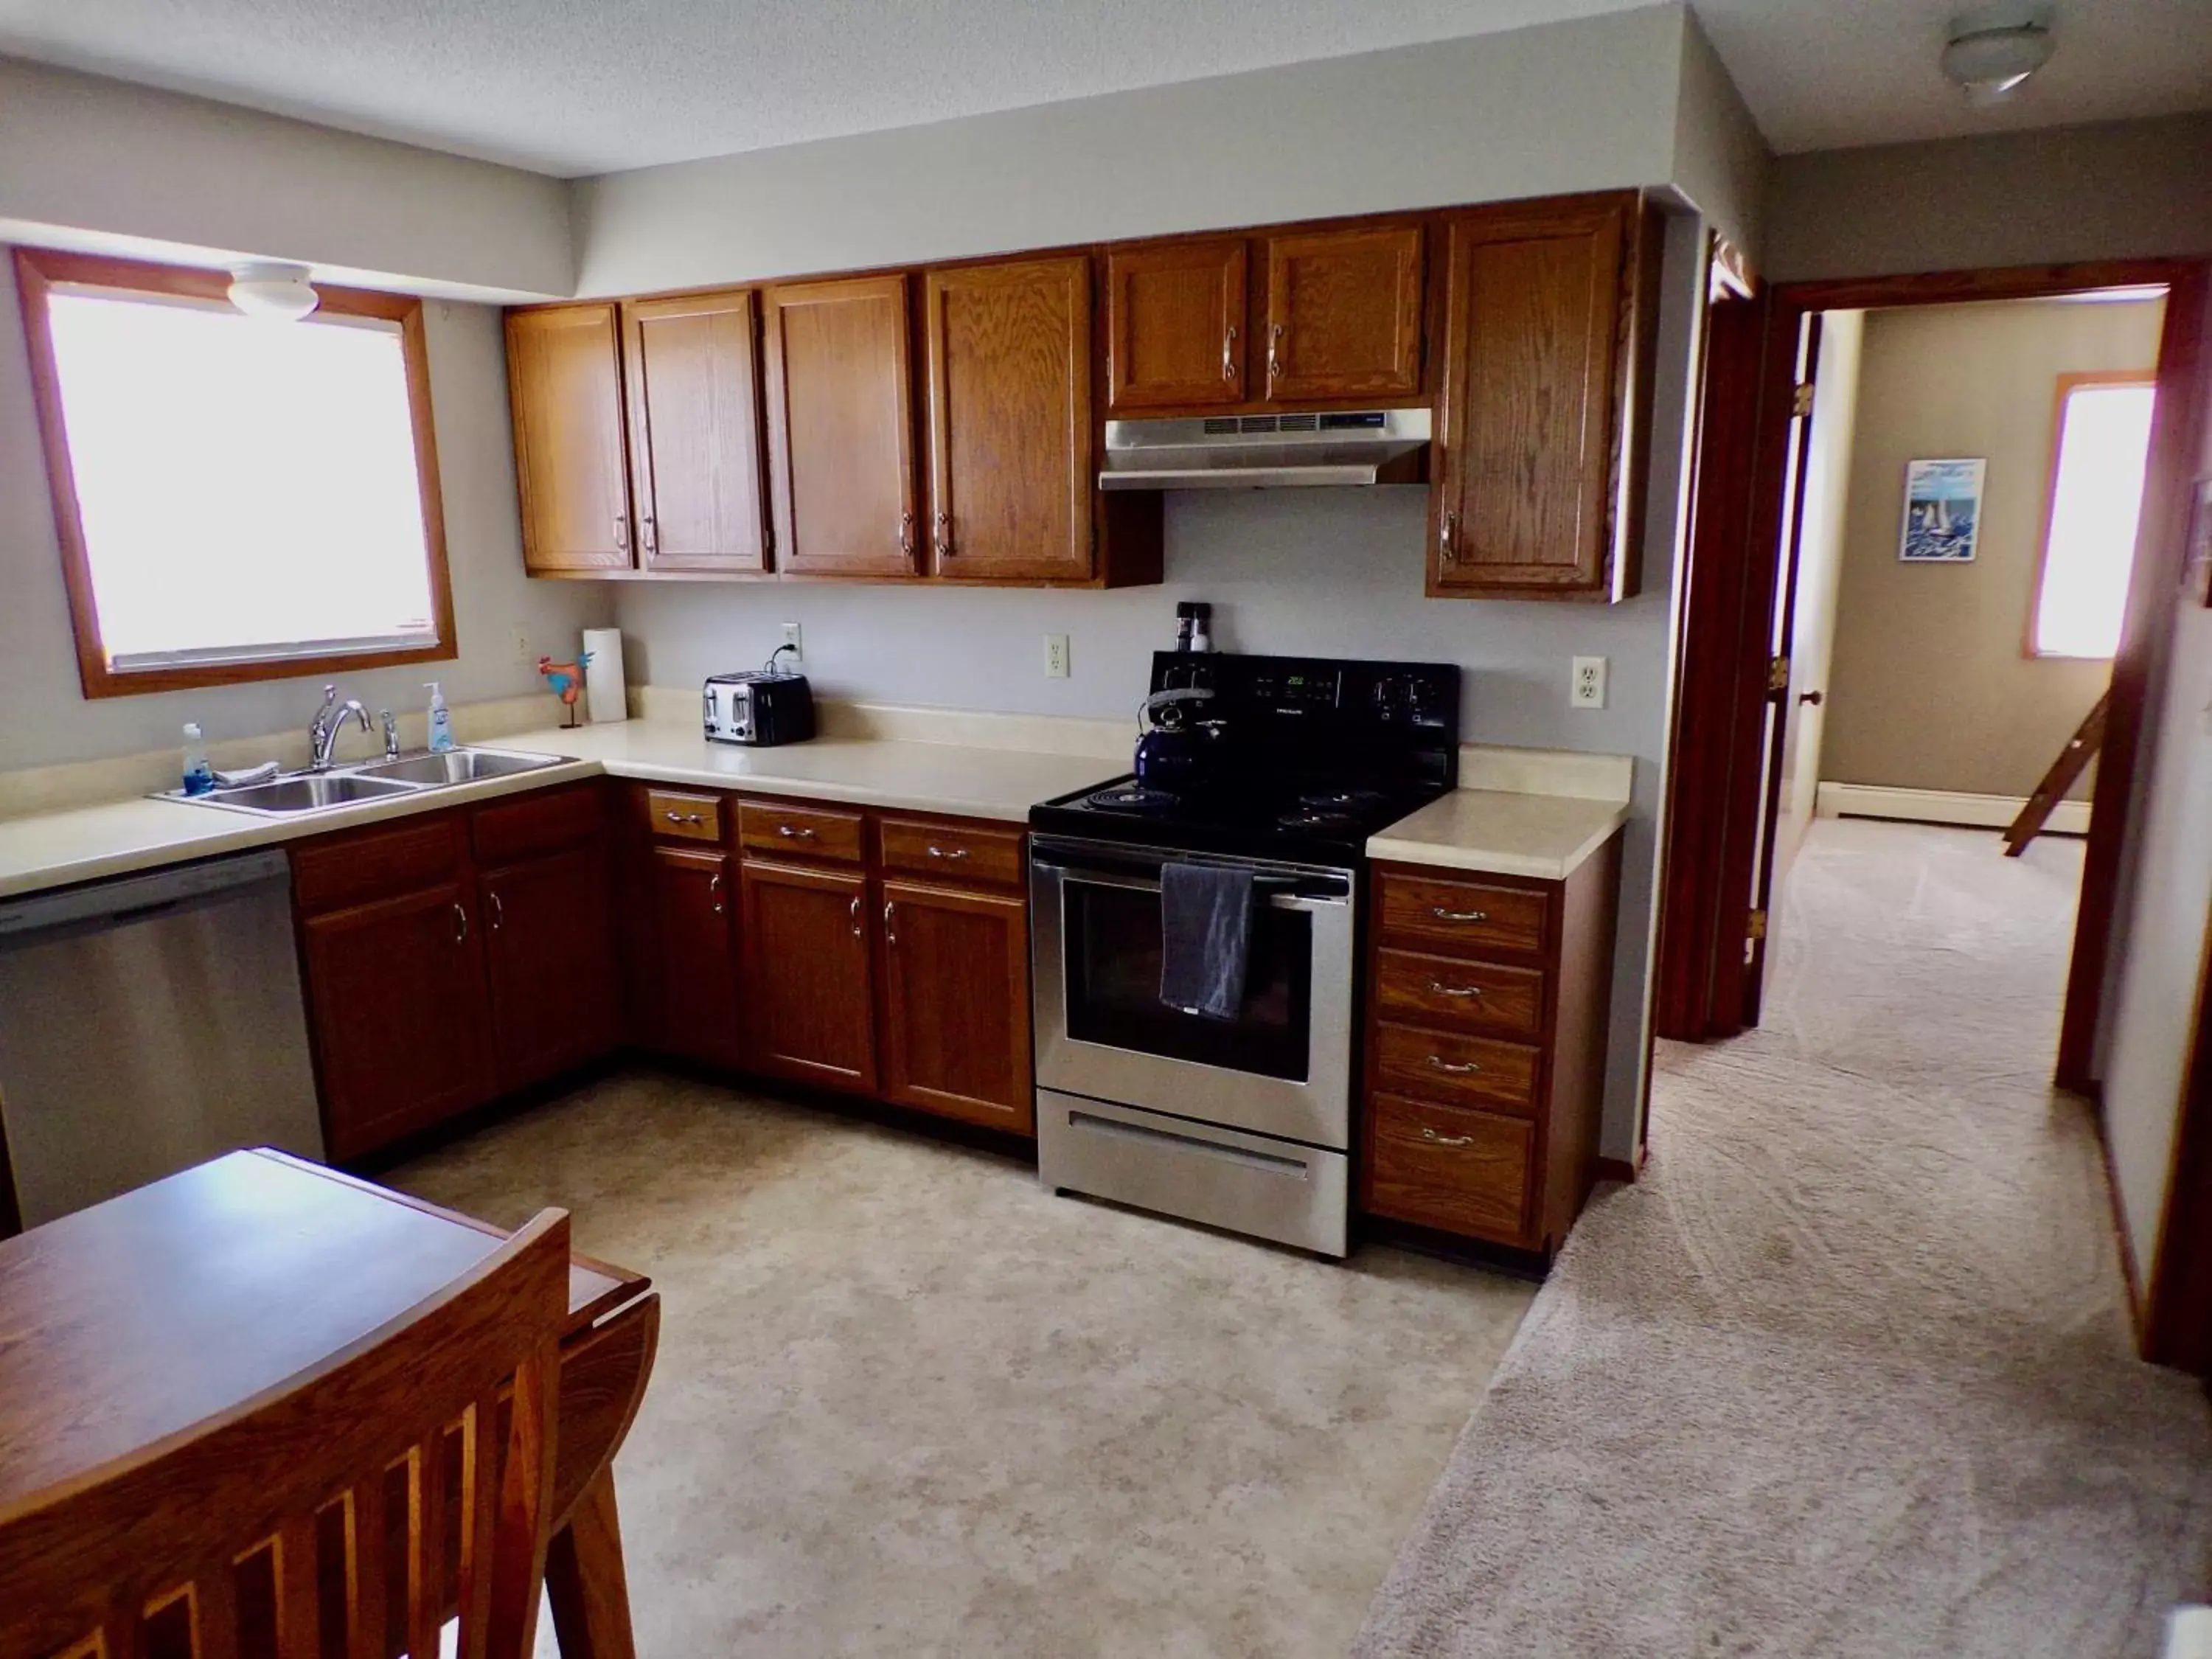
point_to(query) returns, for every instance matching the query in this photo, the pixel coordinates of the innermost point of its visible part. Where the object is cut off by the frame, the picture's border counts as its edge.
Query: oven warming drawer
(1245, 1183)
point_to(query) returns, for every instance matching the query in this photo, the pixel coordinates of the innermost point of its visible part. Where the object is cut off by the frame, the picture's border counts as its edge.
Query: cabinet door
(1344, 314)
(402, 1023)
(1174, 325)
(1009, 357)
(1524, 449)
(840, 427)
(564, 383)
(808, 1006)
(549, 946)
(691, 1002)
(957, 1005)
(695, 432)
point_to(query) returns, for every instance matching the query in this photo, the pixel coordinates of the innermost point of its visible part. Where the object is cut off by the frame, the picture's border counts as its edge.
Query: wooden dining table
(137, 1318)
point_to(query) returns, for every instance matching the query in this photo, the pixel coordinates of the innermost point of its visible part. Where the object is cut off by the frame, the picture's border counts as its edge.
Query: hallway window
(2101, 447)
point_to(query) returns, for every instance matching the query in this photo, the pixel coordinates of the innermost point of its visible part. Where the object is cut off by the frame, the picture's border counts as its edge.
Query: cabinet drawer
(1474, 996)
(685, 817)
(912, 846)
(332, 872)
(805, 832)
(1447, 1167)
(528, 825)
(1473, 1070)
(1461, 916)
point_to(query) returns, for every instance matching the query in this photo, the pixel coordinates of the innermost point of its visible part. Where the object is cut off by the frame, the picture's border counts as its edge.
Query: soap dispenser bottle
(200, 776)
(441, 721)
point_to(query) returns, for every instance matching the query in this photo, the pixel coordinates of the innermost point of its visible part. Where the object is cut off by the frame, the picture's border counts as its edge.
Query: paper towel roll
(604, 687)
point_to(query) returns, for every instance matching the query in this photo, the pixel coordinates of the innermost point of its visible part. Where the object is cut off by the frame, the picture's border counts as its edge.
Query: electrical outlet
(1587, 689)
(522, 646)
(1055, 656)
(791, 638)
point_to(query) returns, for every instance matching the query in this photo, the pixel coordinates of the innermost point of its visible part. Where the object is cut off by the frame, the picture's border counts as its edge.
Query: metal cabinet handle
(675, 817)
(856, 915)
(1436, 1140)
(890, 921)
(622, 532)
(460, 926)
(1275, 353)
(1443, 915)
(1444, 990)
(790, 834)
(1438, 1063)
(1447, 539)
(945, 547)
(906, 534)
(498, 910)
(715, 892)
(957, 853)
(651, 542)
(1228, 355)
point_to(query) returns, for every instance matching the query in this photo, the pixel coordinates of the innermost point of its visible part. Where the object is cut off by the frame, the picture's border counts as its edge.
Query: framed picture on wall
(1943, 511)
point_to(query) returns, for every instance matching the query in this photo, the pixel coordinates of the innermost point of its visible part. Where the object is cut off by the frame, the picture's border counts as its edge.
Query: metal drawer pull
(1438, 1063)
(460, 926)
(957, 853)
(790, 834)
(674, 816)
(1444, 990)
(856, 915)
(1443, 915)
(715, 892)
(1436, 1140)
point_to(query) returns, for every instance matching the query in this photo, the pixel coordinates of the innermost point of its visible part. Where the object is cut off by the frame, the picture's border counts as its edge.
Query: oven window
(1113, 968)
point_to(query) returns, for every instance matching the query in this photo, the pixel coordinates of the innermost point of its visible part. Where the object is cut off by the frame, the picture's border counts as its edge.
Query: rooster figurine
(567, 681)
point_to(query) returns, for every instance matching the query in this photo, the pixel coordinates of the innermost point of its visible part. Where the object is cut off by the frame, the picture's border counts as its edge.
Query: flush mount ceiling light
(1991, 50)
(270, 287)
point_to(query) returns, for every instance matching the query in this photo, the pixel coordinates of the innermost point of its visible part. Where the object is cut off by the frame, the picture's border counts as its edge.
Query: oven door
(1281, 1067)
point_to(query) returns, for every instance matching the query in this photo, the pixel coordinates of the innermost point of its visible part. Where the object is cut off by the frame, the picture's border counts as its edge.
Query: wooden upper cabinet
(564, 383)
(1524, 457)
(694, 439)
(1174, 325)
(1343, 314)
(1008, 351)
(840, 427)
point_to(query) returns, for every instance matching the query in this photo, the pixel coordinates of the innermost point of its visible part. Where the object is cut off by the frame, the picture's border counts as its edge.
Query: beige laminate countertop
(56, 850)
(1501, 833)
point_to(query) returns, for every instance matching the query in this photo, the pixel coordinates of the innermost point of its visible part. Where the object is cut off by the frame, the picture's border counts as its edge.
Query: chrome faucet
(390, 734)
(323, 730)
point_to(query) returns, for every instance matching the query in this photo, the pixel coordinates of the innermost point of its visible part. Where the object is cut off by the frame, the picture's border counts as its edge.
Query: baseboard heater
(1872, 801)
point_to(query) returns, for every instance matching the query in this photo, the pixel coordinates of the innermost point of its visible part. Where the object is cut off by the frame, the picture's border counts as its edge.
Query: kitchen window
(2100, 449)
(237, 498)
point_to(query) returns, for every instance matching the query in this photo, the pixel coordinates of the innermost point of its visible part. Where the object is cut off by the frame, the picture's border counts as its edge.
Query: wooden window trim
(2068, 384)
(38, 272)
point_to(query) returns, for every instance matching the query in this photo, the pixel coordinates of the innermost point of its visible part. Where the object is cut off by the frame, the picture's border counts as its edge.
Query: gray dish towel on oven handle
(1206, 938)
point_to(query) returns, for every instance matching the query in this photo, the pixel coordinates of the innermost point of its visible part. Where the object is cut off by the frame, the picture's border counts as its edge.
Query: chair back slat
(269, 1531)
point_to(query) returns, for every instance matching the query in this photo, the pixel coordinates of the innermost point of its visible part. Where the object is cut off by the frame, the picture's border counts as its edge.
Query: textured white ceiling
(589, 86)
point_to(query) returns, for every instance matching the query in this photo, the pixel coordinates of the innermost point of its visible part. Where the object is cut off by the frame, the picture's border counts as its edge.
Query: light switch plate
(1055, 656)
(1587, 689)
(791, 638)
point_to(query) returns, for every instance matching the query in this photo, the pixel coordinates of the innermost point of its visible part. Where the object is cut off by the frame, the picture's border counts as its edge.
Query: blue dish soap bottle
(441, 722)
(200, 776)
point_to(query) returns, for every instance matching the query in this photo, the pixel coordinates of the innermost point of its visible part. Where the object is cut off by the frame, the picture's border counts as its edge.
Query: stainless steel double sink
(292, 793)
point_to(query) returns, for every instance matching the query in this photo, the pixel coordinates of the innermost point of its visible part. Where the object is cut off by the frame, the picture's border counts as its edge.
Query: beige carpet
(908, 1404)
(1847, 1373)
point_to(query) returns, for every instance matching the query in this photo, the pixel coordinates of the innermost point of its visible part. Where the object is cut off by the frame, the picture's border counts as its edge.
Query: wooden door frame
(1728, 621)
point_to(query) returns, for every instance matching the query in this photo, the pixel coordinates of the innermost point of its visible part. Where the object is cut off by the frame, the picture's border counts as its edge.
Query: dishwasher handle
(97, 906)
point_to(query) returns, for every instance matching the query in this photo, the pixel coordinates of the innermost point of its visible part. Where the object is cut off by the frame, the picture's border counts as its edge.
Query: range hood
(1261, 452)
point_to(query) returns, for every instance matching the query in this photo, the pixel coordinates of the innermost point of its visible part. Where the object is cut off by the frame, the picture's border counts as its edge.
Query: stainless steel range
(1241, 1120)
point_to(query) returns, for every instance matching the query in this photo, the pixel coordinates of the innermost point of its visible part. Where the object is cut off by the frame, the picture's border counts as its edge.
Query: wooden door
(808, 1003)
(695, 432)
(1174, 325)
(840, 427)
(564, 384)
(957, 1005)
(1523, 461)
(691, 1002)
(402, 1021)
(1344, 314)
(1010, 453)
(550, 950)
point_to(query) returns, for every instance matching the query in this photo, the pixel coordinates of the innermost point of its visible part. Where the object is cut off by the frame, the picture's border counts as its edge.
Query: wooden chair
(311, 1523)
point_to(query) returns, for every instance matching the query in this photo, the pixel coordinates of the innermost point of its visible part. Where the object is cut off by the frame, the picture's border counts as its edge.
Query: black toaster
(761, 707)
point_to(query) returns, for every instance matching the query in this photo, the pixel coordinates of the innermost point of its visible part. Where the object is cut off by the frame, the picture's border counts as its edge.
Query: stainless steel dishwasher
(146, 1023)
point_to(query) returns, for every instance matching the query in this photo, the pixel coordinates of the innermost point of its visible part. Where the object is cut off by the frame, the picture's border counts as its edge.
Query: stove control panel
(1397, 719)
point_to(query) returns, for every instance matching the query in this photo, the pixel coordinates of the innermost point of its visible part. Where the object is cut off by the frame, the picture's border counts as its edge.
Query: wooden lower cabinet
(1487, 999)
(687, 960)
(957, 1005)
(809, 1002)
(550, 951)
(401, 1014)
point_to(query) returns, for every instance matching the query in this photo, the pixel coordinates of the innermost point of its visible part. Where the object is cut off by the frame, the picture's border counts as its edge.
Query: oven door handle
(1280, 891)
